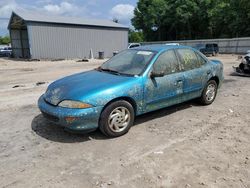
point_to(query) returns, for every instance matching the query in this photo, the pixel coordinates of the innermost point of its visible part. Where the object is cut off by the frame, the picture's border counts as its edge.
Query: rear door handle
(208, 72)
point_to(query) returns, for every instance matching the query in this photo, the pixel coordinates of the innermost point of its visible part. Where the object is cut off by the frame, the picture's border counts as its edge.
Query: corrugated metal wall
(52, 41)
(234, 45)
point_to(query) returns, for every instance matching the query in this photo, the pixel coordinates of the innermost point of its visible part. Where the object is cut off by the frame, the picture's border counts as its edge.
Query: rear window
(201, 59)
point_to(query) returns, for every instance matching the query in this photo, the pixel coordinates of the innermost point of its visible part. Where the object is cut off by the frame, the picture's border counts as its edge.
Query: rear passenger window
(201, 60)
(188, 59)
(167, 62)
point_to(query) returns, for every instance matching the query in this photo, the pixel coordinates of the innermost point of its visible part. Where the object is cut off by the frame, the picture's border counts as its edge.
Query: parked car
(133, 82)
(133, 45)
(244, 67)
(5, 52)
(208, 49)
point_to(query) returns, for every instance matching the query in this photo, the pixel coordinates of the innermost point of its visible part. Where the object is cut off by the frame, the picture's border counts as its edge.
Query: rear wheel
(209, 93)
(117, 118)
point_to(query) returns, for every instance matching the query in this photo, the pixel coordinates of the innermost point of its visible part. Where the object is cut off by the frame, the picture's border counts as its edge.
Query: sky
(102, 9)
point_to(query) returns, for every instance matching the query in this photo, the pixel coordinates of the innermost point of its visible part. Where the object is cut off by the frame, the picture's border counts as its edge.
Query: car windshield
(128, 62)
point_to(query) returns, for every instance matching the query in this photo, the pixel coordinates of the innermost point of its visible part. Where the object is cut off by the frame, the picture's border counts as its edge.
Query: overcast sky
(104, 9)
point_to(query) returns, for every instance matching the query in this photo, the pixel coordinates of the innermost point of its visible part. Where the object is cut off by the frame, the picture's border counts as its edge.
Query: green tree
(136, 36)
(238, 18)
(192, 19)
(148, 14)
(4, 40)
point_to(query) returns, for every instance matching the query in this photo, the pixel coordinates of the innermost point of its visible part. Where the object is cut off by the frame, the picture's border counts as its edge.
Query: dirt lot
(183, 146)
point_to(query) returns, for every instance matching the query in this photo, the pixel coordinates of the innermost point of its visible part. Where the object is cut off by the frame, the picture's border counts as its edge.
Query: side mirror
(157, 74)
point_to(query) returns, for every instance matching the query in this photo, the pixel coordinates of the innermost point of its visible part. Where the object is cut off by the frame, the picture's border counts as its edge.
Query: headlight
(74, 104)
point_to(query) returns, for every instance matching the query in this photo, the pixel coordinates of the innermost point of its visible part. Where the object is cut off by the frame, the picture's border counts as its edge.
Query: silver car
(6, 52)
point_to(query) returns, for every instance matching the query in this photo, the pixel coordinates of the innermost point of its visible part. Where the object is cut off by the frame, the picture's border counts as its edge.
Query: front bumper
(72, 119)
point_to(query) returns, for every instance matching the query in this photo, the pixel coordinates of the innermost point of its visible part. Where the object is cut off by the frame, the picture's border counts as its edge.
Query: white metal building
(40, 36)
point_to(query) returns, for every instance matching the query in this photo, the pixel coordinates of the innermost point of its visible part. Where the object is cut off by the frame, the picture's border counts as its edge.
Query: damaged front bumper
(240, 72)
(72, 119)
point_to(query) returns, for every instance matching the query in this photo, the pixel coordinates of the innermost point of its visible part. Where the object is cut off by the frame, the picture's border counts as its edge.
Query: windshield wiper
(114, 72)
(108, 70)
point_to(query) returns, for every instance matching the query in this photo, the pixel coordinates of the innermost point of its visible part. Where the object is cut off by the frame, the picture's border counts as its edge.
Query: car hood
(81, 85)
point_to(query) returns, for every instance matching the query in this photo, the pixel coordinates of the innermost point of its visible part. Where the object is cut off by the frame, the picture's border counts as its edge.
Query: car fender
(132, 91)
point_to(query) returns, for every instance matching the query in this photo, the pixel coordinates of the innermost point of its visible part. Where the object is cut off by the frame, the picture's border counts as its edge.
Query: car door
(164, 91)
(195, 71)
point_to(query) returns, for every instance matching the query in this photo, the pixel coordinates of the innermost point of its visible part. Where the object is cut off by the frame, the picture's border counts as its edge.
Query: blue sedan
(133, 82)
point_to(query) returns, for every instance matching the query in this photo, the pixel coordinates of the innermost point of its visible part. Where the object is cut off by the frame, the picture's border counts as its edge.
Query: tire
(117, 118)
(209, 93)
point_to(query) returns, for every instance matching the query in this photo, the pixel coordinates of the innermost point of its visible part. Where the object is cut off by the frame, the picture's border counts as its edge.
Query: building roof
(30, 16)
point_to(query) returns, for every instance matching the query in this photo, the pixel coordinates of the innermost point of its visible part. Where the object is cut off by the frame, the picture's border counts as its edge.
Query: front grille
(50, 117)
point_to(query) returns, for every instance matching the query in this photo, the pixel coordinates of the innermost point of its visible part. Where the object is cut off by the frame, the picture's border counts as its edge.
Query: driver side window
(167, 63)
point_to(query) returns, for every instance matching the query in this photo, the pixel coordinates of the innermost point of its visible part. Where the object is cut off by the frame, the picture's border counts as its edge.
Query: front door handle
(178, 82)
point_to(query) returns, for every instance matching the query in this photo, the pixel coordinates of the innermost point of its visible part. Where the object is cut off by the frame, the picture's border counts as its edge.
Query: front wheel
(209, 93)
(116, 119)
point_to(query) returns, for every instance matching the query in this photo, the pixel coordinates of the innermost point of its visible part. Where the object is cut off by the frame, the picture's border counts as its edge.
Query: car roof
(161, 47)
(134, 43)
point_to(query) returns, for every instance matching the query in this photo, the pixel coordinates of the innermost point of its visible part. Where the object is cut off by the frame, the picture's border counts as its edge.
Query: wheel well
(128, 99)
(216, 79)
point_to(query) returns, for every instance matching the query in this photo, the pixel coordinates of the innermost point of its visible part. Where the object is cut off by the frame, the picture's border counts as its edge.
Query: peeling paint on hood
(77, 86)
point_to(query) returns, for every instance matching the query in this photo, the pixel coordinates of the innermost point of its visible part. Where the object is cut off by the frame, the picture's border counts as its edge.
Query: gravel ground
(187, 145)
